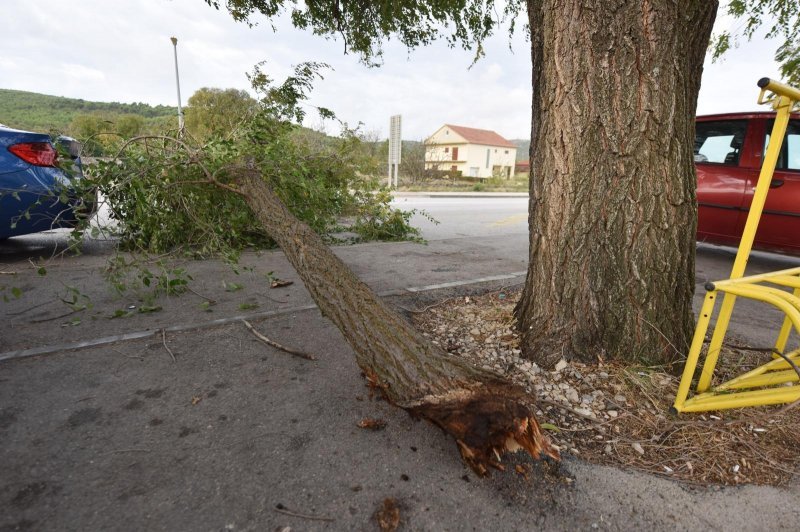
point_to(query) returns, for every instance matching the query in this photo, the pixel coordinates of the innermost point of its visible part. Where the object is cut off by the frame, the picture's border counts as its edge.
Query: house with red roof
(479, 153)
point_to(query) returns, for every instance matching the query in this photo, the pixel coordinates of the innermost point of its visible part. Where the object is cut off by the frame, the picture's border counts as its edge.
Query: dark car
(728, 151)
(37, 188)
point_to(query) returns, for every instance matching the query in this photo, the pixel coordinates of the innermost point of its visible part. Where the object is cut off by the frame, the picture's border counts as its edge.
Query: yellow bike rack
(777, 381)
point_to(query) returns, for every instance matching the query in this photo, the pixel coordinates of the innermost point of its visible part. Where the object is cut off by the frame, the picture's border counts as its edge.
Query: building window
(506, 152)
(488, 154)
(447, 149)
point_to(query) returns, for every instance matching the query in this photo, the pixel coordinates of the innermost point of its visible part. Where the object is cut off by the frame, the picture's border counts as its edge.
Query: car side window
(789, 157)
(719, 142)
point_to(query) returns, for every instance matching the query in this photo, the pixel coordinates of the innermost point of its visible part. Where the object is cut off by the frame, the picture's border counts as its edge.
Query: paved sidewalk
(232, 434)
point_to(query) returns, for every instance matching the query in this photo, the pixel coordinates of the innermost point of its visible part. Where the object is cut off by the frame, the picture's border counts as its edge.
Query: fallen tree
(486, 416)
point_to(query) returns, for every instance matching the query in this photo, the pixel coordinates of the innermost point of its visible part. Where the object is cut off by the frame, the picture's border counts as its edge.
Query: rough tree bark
(486, 416)
(612, 191)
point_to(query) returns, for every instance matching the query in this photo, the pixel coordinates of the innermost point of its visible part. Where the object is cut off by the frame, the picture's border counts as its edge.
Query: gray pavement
(118, 436)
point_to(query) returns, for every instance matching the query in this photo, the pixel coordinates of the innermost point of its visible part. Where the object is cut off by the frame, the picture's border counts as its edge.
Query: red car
(728, 151)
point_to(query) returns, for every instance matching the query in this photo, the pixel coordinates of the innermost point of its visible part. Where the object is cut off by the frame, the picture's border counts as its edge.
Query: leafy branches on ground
(164, 193)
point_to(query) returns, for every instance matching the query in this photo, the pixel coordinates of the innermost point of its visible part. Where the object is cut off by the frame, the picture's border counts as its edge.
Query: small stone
(585, 412)
(607, 449)
(638, 448)
(475, 332)
(603, 375)
(561, 365)
(613, 413)
(572, 396)
(620, 399)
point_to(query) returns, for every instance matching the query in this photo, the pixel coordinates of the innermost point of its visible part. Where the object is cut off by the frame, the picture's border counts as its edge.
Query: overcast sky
(115, 50)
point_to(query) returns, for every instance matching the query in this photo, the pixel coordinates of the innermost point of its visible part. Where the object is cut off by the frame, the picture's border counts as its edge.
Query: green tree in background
(213, 111)
(129, 126)
(91, 130)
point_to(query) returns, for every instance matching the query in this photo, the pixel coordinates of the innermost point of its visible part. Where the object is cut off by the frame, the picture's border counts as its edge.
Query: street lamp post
(178, 84)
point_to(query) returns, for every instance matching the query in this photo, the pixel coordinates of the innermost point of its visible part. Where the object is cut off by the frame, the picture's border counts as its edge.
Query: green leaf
(550, 427)
(120, 313)
(42, 270)
(232, 287)
(16, 292)
(144, 309)
(248, 306)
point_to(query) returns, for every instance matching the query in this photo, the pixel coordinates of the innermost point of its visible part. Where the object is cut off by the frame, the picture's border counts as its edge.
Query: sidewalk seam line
(137, 335)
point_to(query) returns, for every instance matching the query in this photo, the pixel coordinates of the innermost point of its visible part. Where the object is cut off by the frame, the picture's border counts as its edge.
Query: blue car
(37, 183)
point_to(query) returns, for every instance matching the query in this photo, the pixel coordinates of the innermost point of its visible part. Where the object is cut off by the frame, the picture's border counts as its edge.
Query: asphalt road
(104, 430)
(461, 217)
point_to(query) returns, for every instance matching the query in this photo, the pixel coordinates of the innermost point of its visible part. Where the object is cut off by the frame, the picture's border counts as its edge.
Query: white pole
(178, 85)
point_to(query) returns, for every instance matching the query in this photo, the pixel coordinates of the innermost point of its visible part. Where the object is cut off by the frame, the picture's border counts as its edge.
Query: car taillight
(35, 153)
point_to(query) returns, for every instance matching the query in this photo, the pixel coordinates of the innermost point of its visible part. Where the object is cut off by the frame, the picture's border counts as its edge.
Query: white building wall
(471, 157)
(498, 156)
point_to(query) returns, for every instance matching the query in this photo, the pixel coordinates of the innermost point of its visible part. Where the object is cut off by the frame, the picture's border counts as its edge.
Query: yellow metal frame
(775, 382)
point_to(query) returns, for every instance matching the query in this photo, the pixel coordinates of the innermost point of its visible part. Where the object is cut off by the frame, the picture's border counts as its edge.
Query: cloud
(81, 72)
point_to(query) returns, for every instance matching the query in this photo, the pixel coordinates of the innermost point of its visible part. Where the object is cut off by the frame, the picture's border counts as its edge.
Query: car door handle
(776, 183)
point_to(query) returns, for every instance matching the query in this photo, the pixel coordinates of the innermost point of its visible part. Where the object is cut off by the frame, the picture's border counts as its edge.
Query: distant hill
(523, 147)
(42, 112)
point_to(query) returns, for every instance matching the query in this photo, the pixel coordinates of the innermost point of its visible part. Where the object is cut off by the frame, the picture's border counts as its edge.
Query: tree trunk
(485, 416)
(612, 192)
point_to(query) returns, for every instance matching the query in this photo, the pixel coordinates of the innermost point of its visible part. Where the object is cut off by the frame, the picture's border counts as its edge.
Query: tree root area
(488, 424)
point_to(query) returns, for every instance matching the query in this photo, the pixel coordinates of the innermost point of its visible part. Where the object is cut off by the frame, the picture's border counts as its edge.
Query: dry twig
(276, 345)
(281, 510)
(164, 341)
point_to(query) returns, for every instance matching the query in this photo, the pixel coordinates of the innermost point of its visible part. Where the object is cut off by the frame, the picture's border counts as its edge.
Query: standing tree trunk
(612, 192)
(487, 417)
